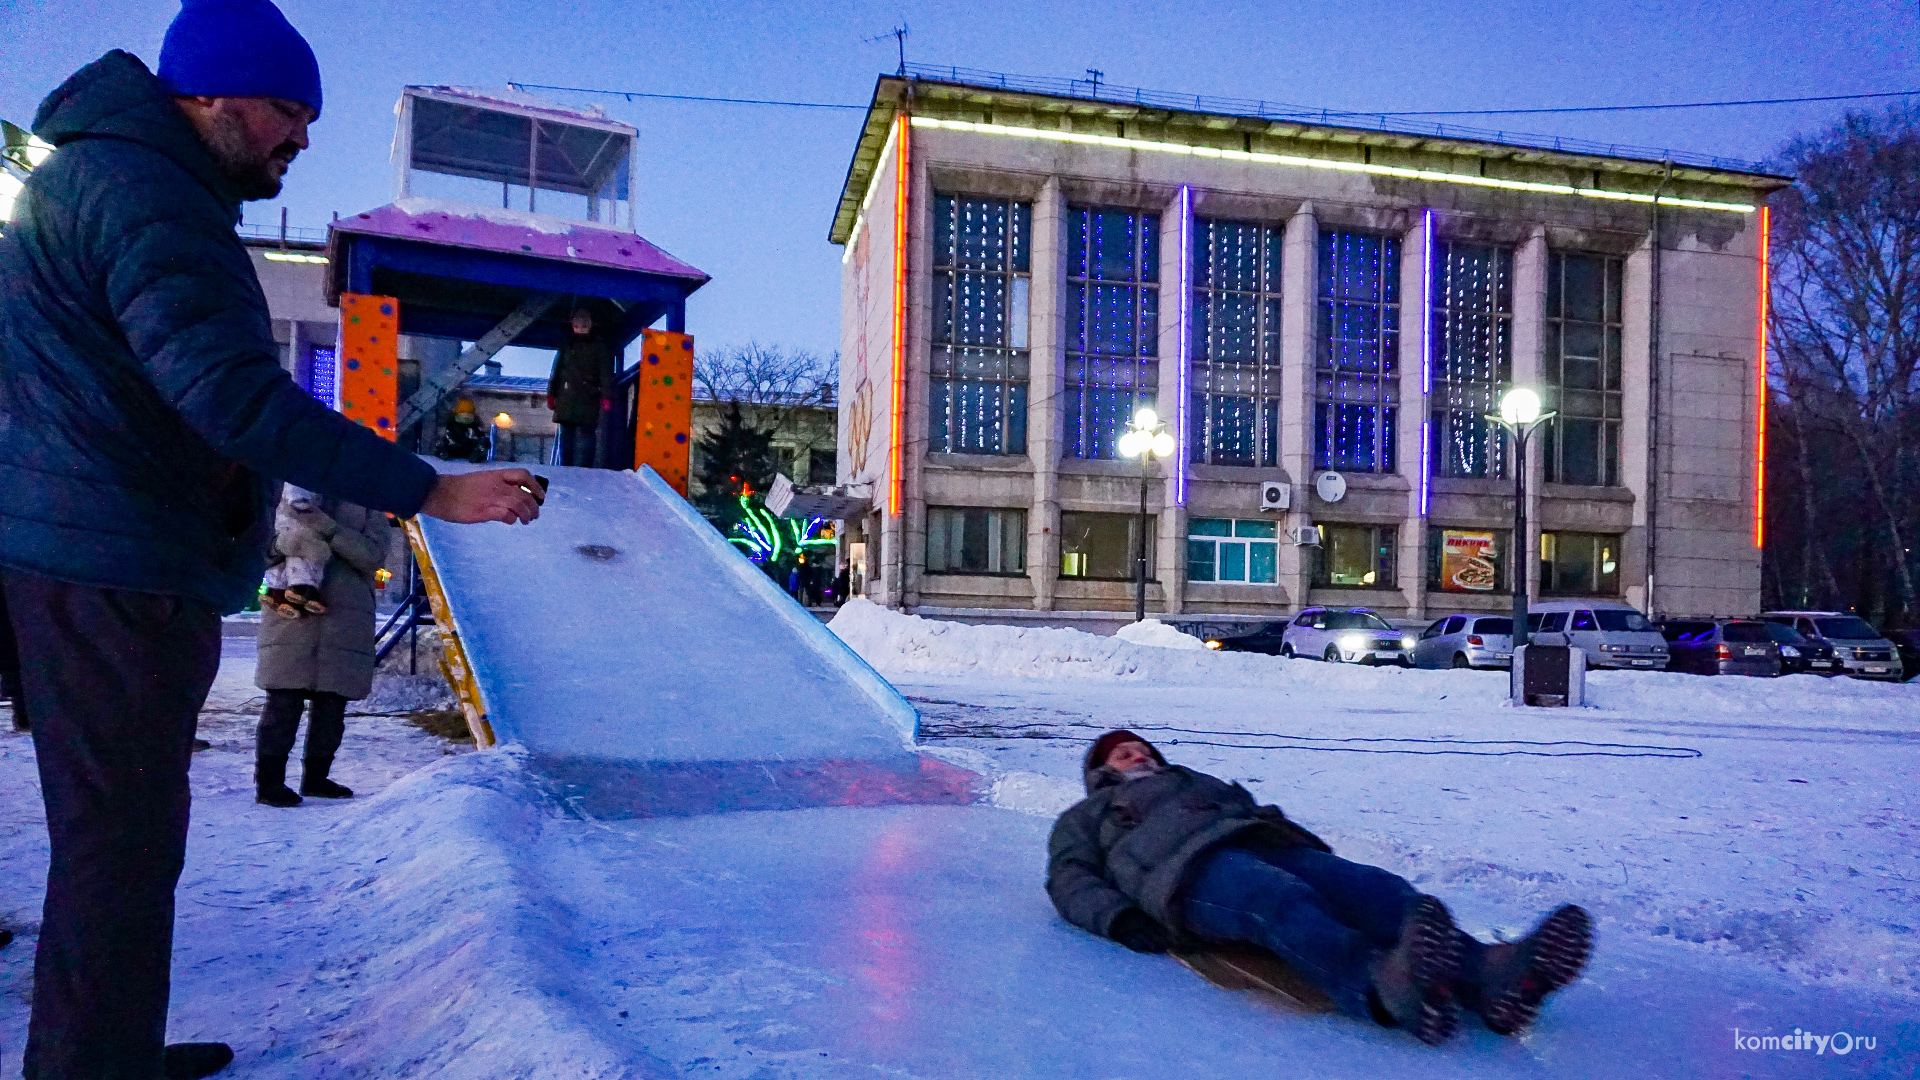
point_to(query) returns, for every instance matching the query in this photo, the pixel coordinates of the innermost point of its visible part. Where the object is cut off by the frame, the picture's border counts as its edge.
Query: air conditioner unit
(1304, 535)
(1275, 495)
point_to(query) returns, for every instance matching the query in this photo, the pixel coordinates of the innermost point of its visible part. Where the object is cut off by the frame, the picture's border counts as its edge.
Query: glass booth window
(1101, 545)
(1467, 560)
(1225, 549)
(1579, 564)
(1356, 388)
(976, 540)
(1472, 357)
(1113, 326)
(1355, 556)
(1582, 444)
(1236, 343)
(982, 290)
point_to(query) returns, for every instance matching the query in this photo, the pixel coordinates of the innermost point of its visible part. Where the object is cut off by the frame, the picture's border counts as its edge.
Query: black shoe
(323, 788)
(191, 1061)
(1517, 976)
(1414, 981)
(281, 796)
(201, 744)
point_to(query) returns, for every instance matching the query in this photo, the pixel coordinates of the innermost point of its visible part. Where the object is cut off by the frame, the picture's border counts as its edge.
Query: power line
(631, 94)
(1646, 108)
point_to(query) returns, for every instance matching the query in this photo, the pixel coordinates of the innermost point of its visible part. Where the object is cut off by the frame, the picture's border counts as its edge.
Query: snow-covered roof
(516, 232)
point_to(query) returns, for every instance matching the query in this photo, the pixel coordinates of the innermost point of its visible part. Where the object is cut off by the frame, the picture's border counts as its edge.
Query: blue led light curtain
(1236, 343)
(1356, 370)
(1113, 326)
(977, 392)
(1472, 357)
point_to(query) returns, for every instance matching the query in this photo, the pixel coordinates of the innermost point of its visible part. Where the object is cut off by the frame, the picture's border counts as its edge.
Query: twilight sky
(747, 193)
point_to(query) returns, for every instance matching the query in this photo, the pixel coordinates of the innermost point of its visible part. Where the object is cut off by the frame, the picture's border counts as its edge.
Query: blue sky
(747, 193)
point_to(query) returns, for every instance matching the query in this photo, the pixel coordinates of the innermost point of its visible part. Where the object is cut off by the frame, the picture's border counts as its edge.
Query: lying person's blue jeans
(1320, 913)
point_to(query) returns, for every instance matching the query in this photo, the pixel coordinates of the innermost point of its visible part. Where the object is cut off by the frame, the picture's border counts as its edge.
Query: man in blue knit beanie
(145, 428)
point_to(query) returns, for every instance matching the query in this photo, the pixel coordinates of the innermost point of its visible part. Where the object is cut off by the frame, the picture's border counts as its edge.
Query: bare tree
(756, 374)
(1845, 330)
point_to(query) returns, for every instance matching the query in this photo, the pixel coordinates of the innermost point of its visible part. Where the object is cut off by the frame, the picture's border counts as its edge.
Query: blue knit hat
(238, 48)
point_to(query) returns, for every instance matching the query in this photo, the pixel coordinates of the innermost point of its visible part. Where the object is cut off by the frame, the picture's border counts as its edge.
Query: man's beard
(250, 172)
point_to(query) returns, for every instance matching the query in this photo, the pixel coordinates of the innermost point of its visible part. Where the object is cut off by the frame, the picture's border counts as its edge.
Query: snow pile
(399, 694)
(1158, 634)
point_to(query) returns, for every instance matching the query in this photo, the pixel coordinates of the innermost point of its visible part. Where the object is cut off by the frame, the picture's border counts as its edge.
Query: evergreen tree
(735, 459)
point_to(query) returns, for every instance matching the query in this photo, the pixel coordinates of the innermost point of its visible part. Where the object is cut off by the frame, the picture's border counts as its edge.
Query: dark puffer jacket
(1130, 843)
(582, 379)
(145, 421)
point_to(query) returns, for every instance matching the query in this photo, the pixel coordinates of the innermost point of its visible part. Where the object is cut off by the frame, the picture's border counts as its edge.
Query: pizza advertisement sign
(1469, 561)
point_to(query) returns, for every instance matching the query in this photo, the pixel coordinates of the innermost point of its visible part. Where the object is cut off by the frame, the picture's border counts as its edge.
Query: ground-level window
(977, 392)
(1467, 560)
(976, 540)
(1355, 556)
(1356, 381)
(1579, 564)
(1101, 545)
(1226, 549)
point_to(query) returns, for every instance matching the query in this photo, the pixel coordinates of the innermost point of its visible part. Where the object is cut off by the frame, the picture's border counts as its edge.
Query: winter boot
(191, 1061)
(1516, 976)
(1414, 981)
(307, 597)
(270, 783)
(278, 600)
(314, 782)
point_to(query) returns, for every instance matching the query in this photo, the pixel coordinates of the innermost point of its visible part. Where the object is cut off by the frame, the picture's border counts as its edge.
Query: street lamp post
(1145, 438)
(1520, 414)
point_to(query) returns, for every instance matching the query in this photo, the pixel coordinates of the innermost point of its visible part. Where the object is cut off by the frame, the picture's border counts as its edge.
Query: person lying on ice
(1159, 856)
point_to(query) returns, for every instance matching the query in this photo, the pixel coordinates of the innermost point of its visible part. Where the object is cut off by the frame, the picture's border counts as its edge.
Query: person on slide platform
(1160, 856)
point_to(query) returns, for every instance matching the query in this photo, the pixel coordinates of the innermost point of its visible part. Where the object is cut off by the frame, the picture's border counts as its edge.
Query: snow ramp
(648, 669)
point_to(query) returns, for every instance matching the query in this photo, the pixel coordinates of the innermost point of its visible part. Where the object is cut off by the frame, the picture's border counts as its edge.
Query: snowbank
(1156, 633)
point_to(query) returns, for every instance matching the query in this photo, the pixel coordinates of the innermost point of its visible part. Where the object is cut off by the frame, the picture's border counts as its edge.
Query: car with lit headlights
(1612, 634)
(1859, 648)
(1800, 654)
(1347, 636)
(1466, 641)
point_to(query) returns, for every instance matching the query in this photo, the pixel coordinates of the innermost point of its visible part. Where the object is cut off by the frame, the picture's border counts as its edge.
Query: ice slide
(648, 669)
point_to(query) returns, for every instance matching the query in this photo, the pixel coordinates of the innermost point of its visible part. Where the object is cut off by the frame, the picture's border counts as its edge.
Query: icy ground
(1749, 848)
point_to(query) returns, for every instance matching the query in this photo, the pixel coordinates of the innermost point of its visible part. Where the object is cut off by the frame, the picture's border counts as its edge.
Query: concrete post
(1299, 301)
(1529, 369)
(1046, 338)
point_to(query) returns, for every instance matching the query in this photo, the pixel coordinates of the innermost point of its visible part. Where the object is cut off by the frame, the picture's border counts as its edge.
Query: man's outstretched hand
(486, 495)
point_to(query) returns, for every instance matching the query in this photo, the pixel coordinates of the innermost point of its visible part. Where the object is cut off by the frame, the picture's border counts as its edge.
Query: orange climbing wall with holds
(369, 361)
(663, 428)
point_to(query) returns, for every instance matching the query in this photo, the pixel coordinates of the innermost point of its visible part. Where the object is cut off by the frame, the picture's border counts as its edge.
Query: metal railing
(277, 233)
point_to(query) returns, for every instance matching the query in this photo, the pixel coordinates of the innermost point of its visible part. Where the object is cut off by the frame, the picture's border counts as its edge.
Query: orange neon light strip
(903, 140)
(1760, 440)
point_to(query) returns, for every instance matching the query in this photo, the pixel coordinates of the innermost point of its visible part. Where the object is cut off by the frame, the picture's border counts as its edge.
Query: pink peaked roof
(516, 232)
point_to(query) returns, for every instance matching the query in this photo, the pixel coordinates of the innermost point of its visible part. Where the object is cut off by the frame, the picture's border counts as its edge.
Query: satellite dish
(1330, 486)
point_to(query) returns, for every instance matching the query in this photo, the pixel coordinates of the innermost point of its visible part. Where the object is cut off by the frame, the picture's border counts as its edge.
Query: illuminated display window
(977, 393)
(1472, 357)
(1356, 386)
(321, 383)
(1223, 549)
(1355, 557)
(1236, 343)
(1113, 326)
(1579, 564)
(1467, 560)
(976, 540)
(1102, 545)
(1582, 444)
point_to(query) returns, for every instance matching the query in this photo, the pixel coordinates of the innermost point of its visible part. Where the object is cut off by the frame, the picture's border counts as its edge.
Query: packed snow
(1748, 848)
(1156, 633)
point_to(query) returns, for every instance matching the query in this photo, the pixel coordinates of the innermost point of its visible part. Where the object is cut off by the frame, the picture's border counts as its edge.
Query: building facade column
(1299, 284)
(1047, 335)
(1637, 454)
(1416, 325)
(1176, 260)
(1530, 264)
(919, 359)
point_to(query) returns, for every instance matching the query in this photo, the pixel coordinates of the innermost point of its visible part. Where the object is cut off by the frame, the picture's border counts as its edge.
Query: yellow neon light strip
(453, 656)
(1429, 175)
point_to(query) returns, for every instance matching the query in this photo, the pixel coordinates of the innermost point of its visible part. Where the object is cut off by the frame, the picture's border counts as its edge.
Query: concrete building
(1332, 308)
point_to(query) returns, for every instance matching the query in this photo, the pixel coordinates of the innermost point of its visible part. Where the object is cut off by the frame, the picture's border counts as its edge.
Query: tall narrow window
(1113, 325)
(1356, 389)
(1236, 343)
(977, 393)
(1583, 369)
(1472, 356)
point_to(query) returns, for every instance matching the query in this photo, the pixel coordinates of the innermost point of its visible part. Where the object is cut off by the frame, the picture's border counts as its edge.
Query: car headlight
(1353, 642)
(1788, 650)
(1213, 644)
(1407, 642)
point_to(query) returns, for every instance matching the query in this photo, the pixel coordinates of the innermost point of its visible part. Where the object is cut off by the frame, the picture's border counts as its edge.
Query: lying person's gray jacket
(1130, 843)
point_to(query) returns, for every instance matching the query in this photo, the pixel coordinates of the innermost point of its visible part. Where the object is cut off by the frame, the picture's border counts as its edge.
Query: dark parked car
(1799, 653)
(1265, 638)
(1908, 642)
(1861, 650)
(1720, 647)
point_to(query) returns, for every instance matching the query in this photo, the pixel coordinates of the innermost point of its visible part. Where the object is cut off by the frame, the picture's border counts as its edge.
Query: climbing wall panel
(369, 361)
(663, 431)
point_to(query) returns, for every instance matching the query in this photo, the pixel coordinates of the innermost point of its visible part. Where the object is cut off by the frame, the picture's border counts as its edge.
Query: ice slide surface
(649, 669)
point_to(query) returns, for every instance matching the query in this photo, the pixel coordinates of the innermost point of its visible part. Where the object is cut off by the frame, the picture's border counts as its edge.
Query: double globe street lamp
(1520, 414)
(1145, 438)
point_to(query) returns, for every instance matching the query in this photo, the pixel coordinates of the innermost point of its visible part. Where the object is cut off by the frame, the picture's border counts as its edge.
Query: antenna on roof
(899, 35)
(1094, 75)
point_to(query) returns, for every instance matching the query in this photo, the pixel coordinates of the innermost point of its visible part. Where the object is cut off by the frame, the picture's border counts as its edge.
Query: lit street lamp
(1520, 414)
(1146, 438)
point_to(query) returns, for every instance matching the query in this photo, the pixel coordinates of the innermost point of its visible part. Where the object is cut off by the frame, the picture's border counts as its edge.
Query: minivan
(1858, 646)
(1612, 634)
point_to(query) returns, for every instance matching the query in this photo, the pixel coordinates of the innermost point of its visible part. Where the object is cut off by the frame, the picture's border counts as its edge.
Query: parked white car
(1612, 634)
(1466, 641)
(1346, 636)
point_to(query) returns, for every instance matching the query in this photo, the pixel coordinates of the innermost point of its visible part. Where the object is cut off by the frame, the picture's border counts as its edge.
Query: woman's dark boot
(270, 783)
(1413, 982)
(314, 782)
(1516, 976)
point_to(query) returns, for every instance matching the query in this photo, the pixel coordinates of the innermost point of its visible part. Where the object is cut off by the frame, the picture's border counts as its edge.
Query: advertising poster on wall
(1469, 561)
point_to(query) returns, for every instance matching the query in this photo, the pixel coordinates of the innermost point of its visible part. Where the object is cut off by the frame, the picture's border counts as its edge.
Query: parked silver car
(1861, 650)
(1612, 634)
(1346, 636)
(1466, 641)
